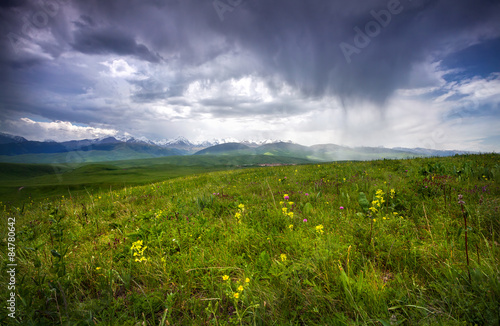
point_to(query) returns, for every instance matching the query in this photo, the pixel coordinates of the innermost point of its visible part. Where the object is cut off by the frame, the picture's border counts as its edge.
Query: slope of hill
(9, 139)
(284, 149)
(44, 180)
(324, 152)
(225, 149)
(354, 243)
(95, 153)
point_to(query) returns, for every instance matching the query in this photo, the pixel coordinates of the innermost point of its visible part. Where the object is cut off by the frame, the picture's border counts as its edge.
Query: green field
(353, 243)
(39, 181)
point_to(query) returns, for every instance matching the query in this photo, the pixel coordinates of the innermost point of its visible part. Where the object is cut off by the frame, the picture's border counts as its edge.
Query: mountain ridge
(19, 149)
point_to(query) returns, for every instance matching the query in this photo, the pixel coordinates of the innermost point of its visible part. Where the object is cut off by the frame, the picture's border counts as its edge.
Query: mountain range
(16, 149)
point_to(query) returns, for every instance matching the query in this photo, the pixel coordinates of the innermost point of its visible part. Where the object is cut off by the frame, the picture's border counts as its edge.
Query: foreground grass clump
(290, 245)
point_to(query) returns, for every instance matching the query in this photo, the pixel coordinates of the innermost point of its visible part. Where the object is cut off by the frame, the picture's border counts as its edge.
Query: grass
(287, 245)
(25, 182)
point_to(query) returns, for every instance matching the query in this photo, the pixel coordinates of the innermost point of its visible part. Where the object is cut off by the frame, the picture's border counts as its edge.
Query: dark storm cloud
(300, 41)
(314, 46)
(110, 41)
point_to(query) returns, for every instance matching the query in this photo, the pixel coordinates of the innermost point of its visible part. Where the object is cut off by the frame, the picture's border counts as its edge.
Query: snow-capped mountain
(127, 147)
(8, 139)
(182, 142)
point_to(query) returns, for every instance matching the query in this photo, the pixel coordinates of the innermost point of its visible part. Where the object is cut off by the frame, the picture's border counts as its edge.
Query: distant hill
(324, 152)
(224, 149)
(94, 153)
(9, 139)
(15, 149)
(284, 149)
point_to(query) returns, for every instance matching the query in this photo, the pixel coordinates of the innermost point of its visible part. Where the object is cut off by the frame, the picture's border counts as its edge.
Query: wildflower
(241, 207)
(460, 201)
(374, 220)
(240, 288)
(97, 268)
(290, 203)
(393, 192)
(284, 209)
(304, 220)
(138, 251)
(319, 228)
(290, 226)
(247, 280)
(237, 215)
(136, 245)
(341, 207)
(290, 214)
(306, 194)
(236, 295)
(283, 257)
(225, 277)
(286, 197)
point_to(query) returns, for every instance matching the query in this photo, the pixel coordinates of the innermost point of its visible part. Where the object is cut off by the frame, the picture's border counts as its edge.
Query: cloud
(55, 130)
(268, 69)
(120, 68)
(110, 41)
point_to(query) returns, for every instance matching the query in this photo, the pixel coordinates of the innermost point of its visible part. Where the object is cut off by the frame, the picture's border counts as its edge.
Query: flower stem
(466, 244)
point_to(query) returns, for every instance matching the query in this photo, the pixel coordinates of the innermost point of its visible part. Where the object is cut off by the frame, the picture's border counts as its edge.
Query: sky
(392, 73)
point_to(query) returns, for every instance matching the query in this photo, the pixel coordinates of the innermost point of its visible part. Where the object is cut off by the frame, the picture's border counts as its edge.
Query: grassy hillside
(323, 153)
(226, 149)
(96, 153)
(410, 242)
(21, 182)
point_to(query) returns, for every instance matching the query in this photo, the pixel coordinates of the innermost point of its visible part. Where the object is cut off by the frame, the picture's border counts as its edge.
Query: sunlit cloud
(54, 130)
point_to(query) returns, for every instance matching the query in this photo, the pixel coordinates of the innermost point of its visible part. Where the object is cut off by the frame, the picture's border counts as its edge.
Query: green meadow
(26, 182)
(388, 242)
